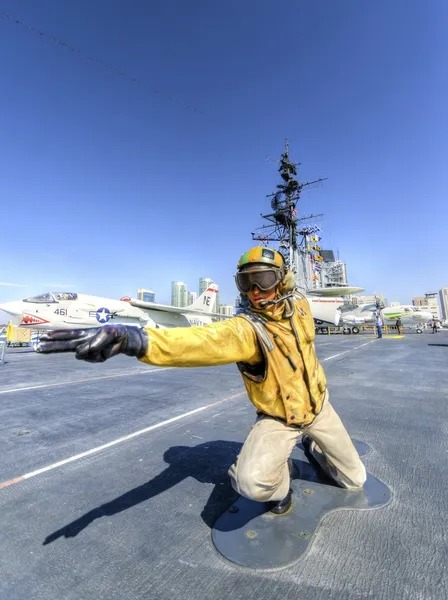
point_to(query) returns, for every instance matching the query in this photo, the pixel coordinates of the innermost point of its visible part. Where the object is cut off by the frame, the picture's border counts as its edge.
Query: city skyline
(439, 291)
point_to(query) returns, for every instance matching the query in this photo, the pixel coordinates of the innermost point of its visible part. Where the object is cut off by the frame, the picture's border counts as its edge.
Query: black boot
(280, 508)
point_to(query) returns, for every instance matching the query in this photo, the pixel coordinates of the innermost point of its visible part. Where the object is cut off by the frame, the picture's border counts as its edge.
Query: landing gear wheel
(355, 329)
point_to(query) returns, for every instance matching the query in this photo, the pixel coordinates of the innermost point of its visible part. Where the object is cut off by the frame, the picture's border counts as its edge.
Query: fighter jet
(65, 310)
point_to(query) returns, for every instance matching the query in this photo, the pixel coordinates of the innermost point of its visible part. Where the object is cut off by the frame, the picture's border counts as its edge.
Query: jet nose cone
(12, 308)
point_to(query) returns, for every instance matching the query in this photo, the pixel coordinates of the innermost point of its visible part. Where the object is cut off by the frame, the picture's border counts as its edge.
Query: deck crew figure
(272, 342)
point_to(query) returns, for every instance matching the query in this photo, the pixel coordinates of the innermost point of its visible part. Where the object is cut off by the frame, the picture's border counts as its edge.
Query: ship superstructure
(297, 241)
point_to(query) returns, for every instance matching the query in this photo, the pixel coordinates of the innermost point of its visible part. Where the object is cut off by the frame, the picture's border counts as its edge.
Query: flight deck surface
(113, 475)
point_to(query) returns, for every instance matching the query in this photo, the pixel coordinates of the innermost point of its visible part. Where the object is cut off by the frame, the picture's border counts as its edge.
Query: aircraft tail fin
(206, 301)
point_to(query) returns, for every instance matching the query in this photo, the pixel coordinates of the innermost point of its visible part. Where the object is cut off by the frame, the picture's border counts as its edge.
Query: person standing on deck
(379, 326)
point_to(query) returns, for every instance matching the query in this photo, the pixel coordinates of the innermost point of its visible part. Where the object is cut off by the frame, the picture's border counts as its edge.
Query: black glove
(96, 344)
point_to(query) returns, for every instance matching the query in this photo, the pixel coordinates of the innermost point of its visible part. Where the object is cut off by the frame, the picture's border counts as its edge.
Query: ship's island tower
(296, 241)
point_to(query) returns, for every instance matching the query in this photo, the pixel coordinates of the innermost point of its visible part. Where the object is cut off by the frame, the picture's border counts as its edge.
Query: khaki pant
(261, 471)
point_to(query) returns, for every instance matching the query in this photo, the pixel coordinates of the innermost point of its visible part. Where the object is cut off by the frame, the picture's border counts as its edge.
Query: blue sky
(134, 138)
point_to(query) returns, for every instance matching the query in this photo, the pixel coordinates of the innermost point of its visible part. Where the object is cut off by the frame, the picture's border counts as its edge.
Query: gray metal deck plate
(250, 536)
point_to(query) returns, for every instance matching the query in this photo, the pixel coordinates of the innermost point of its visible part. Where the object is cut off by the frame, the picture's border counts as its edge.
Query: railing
(366, 329)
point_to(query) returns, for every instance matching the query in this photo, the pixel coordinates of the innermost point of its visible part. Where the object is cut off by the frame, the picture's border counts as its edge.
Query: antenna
(285, 227)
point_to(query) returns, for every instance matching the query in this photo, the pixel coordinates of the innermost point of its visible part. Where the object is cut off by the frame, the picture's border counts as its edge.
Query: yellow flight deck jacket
(275, 355)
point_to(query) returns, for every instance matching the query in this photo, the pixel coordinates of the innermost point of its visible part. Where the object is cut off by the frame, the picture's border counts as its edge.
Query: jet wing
(167, 319)
(158, 308)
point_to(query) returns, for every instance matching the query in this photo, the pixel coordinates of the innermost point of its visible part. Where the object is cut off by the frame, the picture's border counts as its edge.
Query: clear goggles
(264, 280)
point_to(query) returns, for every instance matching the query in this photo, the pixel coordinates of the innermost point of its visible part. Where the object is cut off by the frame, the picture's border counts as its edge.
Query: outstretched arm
(96, 344)
(221, 343)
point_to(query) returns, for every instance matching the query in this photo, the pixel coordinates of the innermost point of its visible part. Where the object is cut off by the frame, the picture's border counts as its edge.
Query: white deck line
(85, 380)
(346, 351)
(115, 442)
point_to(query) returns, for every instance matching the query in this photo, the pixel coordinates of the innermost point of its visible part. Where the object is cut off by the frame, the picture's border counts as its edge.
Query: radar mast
(297, 241)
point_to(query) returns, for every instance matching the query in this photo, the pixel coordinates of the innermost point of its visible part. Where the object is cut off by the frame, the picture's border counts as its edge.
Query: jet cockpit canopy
(52, 297)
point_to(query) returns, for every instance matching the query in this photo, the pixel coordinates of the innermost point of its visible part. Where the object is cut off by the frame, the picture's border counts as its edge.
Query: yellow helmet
(261, 255)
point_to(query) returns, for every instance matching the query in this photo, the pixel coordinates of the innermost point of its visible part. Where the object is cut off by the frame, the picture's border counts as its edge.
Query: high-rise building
(146, 295)
(179, 294)
(419, 301)
(443, 300)
(204, 282)
(192, 296)
(372, 299)
(433, 304)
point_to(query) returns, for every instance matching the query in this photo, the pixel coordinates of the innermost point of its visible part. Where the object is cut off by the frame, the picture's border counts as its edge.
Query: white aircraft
(326, 303)
(64, 310)
(325, 311)
(365, 313)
